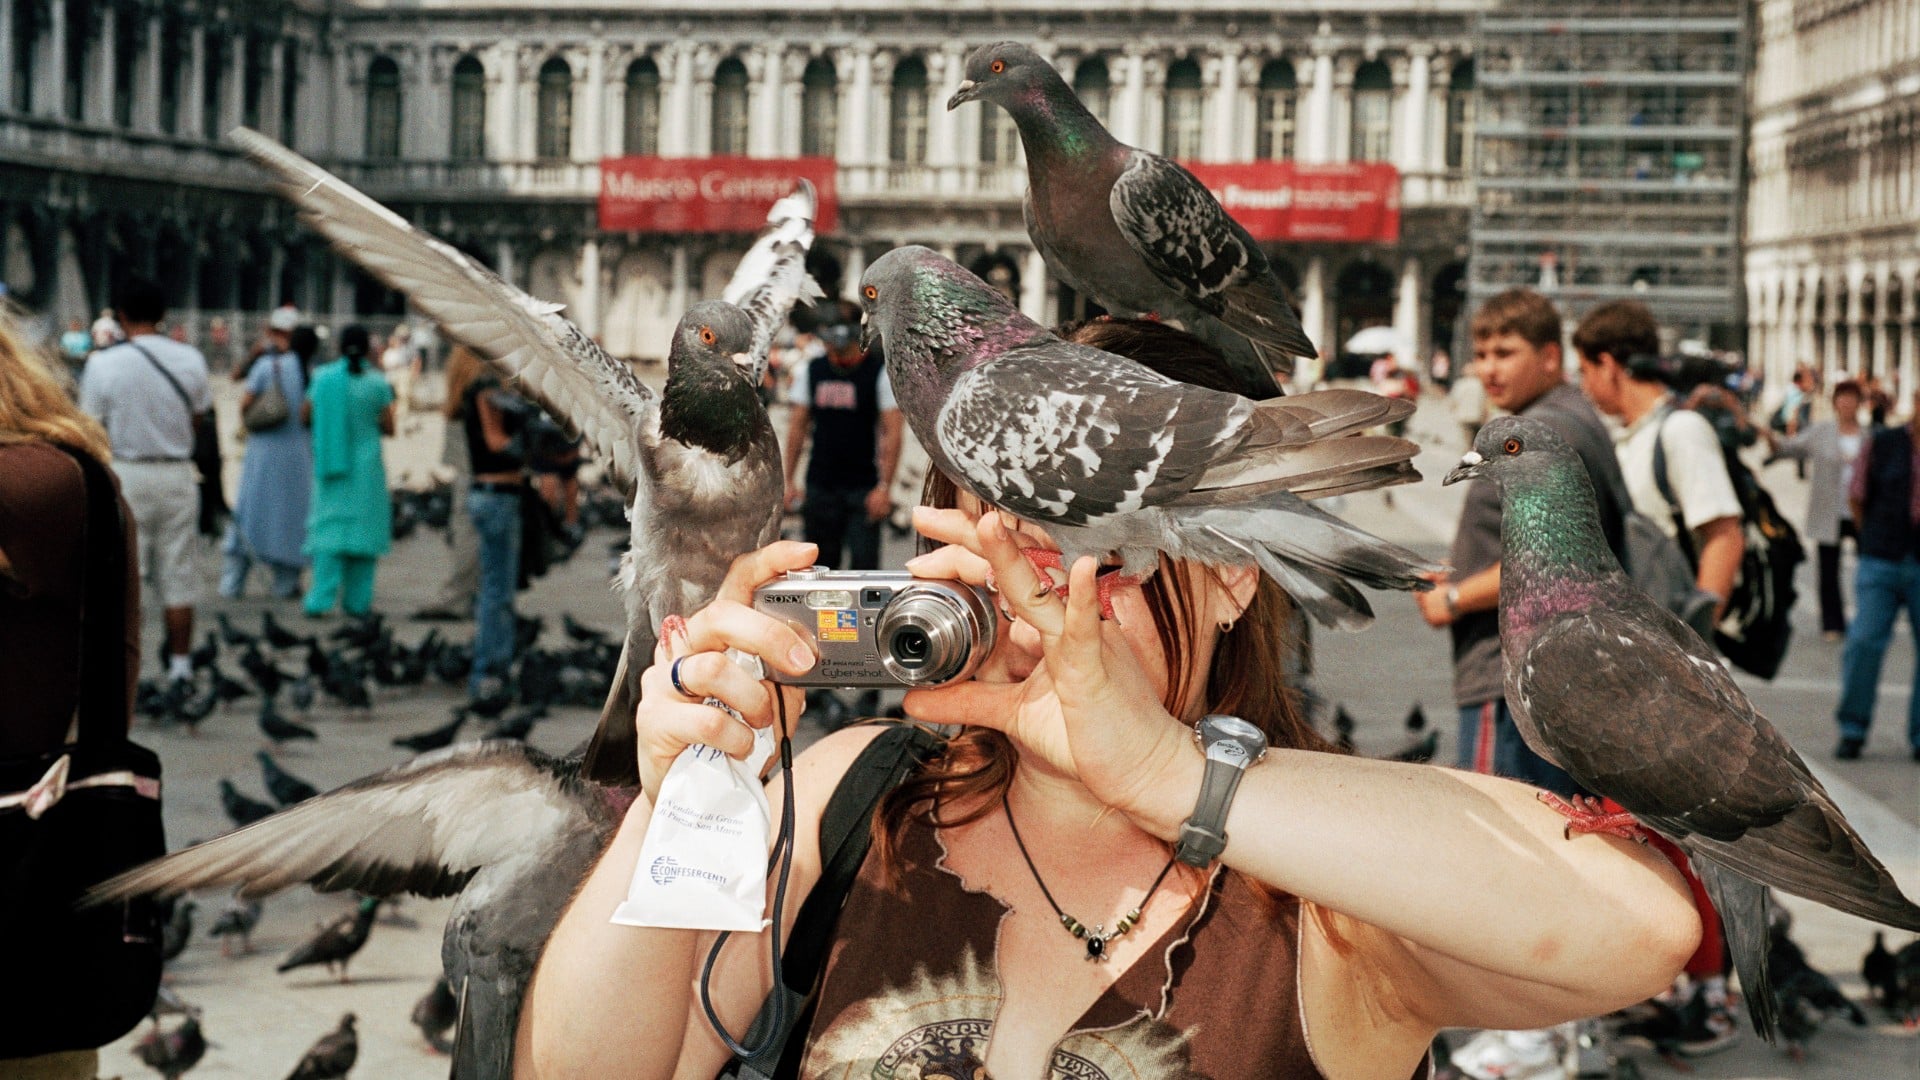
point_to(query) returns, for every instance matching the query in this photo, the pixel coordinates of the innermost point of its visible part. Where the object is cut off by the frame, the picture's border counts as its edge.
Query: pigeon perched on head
(700, 460)
(332, 1057)
(1134, 231)
(1110, 457)
(1605, 683)
(508, 830)
(336, 943)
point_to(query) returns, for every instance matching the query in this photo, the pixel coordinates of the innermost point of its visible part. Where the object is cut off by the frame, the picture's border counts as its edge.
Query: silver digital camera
(881, 628)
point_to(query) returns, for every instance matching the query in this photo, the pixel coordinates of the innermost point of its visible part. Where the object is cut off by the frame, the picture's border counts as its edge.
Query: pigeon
(1420, 747)
(508, 830)
(700, 460)
(177, 930)
(171, 1052)
(1905, 1005)
(1879, 971)
(1108, 456)
(1342, 729)
(1802, 996)
(1608, 685)
(232, 634)
(520, 724)
(262, 671)
(225, 688)
(300, 693)
(772, 276)
(279, 636)
(336, 942)
(280, 729)
(236, 920)
(203, 655)
(286, 788)
(435, 1014)
(434, 738)
(332, 1057)
(241, 810)
(1134, 231)
(192, 710)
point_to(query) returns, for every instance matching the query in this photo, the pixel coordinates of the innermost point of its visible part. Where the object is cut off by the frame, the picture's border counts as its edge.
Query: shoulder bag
(74, 816)
(269, 409)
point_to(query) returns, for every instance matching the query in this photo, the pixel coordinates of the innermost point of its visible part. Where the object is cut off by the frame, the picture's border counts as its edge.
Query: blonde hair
(463, 365)
(34, 406)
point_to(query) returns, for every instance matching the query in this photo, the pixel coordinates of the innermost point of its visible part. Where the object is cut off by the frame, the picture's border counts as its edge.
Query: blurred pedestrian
(402, 366)
(455, 600)
(492, 415)
(843, 405)
(51, 454)
(145, 392)
(107, 330)
(270, 515)
(1885, 504)
(350, 525)
(1831, 447)
(1517, 356)
(75, 344)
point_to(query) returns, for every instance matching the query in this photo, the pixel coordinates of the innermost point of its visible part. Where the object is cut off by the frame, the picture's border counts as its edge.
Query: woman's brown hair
(34, 407)
(463, 366)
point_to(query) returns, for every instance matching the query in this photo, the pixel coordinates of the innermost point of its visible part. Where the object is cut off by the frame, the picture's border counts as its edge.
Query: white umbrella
(1378, 341)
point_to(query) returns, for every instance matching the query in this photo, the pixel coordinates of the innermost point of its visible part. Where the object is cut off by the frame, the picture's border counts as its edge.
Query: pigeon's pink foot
(1053, 577)
(671, 627)
(1588, 815)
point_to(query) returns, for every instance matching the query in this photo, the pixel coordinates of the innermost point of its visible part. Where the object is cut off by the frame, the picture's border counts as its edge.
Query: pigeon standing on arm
(1110, 457)
(1135, 231)
(1605, 683)
(700, 461)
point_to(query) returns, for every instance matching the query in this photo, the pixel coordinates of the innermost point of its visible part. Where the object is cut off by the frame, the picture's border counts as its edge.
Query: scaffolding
(1609, 144)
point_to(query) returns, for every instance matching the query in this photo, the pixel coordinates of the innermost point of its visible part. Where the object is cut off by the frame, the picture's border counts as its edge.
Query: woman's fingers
(1081, 638)
(1027, 595)
(991, 705)
(706, 675)
(756, 568)
(724, 625)
(691, 723)
(950, 561)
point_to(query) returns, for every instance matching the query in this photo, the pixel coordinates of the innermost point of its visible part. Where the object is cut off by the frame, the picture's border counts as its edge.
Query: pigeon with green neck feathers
(1112, 458)
(1604, 682)
(1135, 231)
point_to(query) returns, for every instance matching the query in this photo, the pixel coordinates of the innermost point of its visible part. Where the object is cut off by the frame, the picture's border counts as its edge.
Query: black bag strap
(185, 399)
(846, 834)
(103, 598)
(1681, 535)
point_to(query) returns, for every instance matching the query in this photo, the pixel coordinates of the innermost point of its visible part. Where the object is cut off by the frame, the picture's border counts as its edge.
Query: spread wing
(424, 827)
(1191, 244)
(1066, 433)
(556, 364)
(1651, 719)
(772, 275)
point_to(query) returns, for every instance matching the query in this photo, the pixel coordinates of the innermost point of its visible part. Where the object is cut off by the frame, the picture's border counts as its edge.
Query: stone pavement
(259, 1023)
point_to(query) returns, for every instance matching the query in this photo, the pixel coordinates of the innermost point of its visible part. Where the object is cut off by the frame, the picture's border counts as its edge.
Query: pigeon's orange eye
(998, 66)
(870, 293)
(1511, 446)
(707, 336)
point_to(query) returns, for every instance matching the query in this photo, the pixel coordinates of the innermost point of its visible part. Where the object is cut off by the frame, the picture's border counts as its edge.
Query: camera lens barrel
(931, 634)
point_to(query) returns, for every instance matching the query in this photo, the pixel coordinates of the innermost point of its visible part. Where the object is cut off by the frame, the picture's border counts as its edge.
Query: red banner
(714, 194)
(1358, 202)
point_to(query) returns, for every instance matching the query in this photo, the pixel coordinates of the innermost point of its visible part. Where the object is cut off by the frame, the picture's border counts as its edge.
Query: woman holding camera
(1355, 907)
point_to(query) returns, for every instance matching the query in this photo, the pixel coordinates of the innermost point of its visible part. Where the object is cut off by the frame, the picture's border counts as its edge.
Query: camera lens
(910, 646)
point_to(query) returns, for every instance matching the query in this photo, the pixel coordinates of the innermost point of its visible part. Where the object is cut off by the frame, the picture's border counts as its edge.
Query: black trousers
(835, 519)
(1833, 606)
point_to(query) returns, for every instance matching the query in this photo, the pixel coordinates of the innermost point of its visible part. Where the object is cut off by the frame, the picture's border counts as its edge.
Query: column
(1035, 288)
(1340, 111)
(342, 290)
(677, 289)
(943, 130)
(50, 96)
(420, 107)
(764, 130)
(1413, 123)
(786, 133)
(1129, 111)
(192, 92)
(1882, 338)
(1223, 126)
(1313, 304)
(1907, 358)
(275, 90)
(146, 101)
(1153, 103)
(591, 93)
(232, 106)
(96, 104)
(1406, 313)
(700, 137)
(586, 309)
(856, 267)
(1316, 120)
(1855, 319)
(503, 90)
(676, 113)
(856, 100)
(6, 78)
(503, 262)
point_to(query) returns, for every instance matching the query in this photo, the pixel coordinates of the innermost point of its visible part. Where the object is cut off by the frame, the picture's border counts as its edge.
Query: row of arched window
(1276, 111)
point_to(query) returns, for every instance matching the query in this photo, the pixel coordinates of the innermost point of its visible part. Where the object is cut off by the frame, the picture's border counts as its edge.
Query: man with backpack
(1619, 348)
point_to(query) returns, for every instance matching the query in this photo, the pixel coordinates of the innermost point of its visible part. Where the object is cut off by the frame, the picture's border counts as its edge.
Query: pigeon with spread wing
(1110, 457)
(700, 460)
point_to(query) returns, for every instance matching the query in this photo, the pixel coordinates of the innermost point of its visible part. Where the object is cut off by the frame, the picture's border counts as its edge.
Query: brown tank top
(1215, 997)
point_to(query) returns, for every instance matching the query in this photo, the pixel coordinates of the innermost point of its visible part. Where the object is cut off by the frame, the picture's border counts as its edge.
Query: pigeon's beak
(866, 334)
(743, 361)
(1468, 468)
(967, 92)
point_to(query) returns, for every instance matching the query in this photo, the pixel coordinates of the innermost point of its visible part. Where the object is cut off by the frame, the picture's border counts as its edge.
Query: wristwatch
(1453, 600)
(1232, 746)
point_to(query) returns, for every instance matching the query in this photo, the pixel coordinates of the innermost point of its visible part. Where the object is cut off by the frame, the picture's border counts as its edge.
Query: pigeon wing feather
(560, 367)
(772, 276)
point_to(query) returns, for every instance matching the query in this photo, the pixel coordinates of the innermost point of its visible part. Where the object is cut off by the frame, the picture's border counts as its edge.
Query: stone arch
(1362, 296)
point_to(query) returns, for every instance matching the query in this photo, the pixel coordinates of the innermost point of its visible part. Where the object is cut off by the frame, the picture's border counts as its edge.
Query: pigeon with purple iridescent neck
(1112, 458)
(1604, 682)
(1135, 231)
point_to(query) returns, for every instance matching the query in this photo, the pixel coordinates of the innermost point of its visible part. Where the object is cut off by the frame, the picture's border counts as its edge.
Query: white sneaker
(1510, 1055)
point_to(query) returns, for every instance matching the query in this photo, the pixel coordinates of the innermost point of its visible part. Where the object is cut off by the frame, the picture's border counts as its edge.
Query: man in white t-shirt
(1619, 344)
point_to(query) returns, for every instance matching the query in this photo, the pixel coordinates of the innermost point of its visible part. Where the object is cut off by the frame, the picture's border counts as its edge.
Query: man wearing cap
(843, 403)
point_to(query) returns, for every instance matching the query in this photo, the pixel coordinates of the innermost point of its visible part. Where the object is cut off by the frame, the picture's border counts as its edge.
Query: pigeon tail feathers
(1745, 915)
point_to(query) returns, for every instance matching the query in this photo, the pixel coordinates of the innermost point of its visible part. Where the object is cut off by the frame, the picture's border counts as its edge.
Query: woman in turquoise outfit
(350, 524)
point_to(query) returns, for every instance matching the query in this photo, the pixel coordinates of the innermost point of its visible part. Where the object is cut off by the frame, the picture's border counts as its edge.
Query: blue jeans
(1880, 589)
(496, 522)
(1490, 743)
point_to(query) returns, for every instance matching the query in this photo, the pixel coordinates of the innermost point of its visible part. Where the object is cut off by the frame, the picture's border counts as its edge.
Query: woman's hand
(669, 721)
(1088, 708)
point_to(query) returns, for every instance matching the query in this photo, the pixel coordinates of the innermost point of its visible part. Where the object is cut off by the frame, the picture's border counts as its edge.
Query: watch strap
(1204, 836)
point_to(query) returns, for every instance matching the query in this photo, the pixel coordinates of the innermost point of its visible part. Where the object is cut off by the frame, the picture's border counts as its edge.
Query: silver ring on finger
(673, 676)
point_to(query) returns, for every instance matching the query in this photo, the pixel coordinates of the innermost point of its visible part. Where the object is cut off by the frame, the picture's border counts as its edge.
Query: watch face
(1231, 731)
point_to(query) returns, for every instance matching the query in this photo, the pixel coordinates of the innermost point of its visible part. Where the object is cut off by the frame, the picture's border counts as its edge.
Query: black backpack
(1754, 633)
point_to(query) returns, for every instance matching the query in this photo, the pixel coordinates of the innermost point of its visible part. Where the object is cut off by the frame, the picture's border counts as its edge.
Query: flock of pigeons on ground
(1111, 458)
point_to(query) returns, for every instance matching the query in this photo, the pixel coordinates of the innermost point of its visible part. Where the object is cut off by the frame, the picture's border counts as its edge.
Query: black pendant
(1096, 948)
